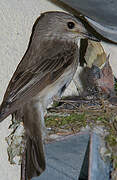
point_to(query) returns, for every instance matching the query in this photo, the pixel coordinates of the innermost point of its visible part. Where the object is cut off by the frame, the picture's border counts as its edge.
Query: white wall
(16, 21)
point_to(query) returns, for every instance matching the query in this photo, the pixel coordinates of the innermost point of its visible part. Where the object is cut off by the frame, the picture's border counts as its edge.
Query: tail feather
(33, 161)
(34, 158)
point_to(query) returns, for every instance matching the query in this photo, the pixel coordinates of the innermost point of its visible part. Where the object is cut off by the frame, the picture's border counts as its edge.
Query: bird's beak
(85, 34)
(90, 36)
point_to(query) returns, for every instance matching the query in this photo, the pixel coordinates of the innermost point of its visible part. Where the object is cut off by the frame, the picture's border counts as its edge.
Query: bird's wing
(35, 72)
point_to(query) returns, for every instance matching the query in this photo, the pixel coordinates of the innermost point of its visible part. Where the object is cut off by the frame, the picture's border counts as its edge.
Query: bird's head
(61, 25)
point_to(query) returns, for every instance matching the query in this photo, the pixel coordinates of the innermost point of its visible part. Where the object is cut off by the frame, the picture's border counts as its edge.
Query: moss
(66, 122)
(81, 117)
(111, 139)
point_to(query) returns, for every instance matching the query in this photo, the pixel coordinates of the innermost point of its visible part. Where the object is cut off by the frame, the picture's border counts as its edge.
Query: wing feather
(42, 70)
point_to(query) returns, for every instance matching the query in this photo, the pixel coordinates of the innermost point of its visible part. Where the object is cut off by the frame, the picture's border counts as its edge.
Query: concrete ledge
(65, 158)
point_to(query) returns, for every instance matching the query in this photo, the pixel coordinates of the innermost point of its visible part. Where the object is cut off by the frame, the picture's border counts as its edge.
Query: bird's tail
(33, 160)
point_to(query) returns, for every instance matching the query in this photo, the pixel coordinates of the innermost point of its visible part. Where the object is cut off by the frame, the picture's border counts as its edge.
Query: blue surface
(99, 169)
(65, 158)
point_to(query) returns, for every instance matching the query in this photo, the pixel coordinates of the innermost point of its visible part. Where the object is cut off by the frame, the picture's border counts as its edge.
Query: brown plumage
(45, 71)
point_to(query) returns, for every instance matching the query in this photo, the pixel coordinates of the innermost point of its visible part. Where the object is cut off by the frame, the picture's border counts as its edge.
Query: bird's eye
(71, 25)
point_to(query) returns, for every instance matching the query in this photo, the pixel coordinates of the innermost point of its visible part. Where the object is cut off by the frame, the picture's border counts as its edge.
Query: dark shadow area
(85, 166)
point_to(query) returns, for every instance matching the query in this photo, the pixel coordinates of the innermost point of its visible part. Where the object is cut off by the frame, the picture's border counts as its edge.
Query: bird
(45, 70)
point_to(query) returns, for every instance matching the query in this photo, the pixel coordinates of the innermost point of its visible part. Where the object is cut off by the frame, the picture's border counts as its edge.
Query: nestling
(44, 72)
